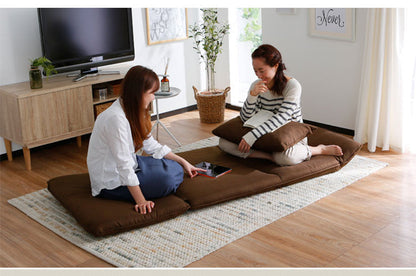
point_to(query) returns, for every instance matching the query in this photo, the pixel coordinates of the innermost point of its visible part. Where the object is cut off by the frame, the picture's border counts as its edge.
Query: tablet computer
(213, 171)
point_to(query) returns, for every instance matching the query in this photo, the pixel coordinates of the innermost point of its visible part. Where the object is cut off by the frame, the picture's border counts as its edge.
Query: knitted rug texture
(193, 235)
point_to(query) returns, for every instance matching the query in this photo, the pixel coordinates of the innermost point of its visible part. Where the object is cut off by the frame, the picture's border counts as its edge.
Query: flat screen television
(85, 38)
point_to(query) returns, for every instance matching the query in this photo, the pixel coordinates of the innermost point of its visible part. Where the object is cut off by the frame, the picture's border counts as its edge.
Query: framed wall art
(332, 23)
(166, 25)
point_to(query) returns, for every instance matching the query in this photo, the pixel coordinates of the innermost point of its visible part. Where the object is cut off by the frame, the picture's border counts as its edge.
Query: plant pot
(35, 77)
(211, 105)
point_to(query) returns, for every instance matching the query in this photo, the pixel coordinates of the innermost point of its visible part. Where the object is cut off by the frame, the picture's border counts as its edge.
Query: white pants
(292, 156)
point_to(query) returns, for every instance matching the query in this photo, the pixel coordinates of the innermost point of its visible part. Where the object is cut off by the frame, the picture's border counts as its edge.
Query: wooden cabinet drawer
(55, 114)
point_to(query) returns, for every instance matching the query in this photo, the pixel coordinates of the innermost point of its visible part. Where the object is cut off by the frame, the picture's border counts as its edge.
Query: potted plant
(35, 74)
(208, 38)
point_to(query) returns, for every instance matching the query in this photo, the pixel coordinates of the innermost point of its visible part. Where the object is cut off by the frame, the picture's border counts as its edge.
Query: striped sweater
(285, 108)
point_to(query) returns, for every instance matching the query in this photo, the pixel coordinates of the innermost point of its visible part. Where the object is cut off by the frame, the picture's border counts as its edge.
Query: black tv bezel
(85, 63)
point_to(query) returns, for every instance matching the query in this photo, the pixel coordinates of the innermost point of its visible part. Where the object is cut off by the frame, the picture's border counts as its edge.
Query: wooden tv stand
(60, 110)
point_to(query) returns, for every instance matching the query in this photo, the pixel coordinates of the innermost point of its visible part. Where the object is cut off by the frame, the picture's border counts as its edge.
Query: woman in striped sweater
(280, 94)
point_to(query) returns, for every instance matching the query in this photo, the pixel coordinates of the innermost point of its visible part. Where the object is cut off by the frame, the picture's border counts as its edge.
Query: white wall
(328, 70)
(222, 66)
(20, 42)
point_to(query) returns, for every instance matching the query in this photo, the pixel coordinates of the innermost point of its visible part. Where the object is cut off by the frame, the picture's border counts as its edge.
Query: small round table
(164, 95)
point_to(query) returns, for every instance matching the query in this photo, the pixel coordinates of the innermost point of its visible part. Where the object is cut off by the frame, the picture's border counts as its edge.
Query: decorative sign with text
(333, 23)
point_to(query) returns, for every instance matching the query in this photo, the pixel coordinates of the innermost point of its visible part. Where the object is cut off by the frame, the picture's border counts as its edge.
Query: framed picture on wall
(332, 23)
(166, 25)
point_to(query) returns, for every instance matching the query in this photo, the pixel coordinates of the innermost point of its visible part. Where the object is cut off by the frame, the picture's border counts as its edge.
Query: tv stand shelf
(109, 98)
(62, 109)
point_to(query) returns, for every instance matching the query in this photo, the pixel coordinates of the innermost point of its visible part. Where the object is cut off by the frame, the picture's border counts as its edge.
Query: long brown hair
(136, 83)
(272, 57)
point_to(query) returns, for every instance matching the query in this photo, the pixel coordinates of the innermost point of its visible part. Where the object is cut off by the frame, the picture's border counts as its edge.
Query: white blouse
(111, 157)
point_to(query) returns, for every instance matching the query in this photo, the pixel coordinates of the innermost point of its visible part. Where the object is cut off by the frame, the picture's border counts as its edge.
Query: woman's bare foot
(326, 150)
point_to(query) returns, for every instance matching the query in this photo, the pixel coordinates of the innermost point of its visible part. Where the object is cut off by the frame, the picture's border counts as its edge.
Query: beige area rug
(189, 237)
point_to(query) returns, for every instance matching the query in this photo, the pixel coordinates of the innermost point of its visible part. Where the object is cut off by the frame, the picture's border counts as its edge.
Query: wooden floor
(371, 223)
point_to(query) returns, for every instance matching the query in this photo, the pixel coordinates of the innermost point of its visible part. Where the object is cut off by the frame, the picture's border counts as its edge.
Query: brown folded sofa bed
(102, 217)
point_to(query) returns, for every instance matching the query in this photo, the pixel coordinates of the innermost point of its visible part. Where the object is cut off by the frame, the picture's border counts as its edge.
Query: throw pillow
(277, 141)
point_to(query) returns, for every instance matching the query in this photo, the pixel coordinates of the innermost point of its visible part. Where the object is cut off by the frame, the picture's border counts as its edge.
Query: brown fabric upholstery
(242, 181)
(326, 137)
(277, 141)
(103, 217)
(318, 165)
(249, 176)
(255, 173)
(295, 173)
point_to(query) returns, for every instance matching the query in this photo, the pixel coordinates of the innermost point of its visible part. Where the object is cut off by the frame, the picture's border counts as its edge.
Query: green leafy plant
(45, 63)
(252, 29)
(208, 38)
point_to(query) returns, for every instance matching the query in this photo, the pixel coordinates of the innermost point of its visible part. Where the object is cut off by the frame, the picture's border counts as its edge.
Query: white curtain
(408, 59)
(383, 107)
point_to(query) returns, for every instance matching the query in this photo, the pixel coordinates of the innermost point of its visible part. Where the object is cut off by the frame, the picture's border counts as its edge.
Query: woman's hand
(191, 170)
(144, 207)
(244, 146)
(259, 87)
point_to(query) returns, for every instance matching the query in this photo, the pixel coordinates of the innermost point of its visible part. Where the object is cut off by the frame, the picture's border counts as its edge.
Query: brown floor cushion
(252, 176)
(242, 181)
(103, 217)
(249, 176)
(326, 137)
(317, 166)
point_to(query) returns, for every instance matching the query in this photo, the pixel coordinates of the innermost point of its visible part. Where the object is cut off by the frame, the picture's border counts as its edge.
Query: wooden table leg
(26, 155)
(79, 141)
(8, 146)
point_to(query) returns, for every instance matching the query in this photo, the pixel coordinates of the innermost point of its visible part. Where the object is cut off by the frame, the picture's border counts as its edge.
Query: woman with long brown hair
(116, 172)
(280, 94)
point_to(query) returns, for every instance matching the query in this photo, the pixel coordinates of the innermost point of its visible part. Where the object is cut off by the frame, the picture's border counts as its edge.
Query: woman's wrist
(141, 201)
(182, 162)
(137, 194)
(176, 158)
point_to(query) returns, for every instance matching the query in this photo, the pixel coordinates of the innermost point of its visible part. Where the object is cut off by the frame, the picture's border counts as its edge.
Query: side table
(164, 95)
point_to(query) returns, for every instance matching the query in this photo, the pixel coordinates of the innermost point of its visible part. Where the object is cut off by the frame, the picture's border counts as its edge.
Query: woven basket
(98, 108)
(211, 105)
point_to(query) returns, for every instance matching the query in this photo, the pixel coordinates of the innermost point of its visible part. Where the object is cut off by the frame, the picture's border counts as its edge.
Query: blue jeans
(157, 177)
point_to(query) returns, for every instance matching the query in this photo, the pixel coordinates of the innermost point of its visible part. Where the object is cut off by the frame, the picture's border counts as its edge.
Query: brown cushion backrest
(103, 217)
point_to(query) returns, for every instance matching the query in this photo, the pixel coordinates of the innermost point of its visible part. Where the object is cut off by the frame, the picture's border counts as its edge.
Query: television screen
(82, 38)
